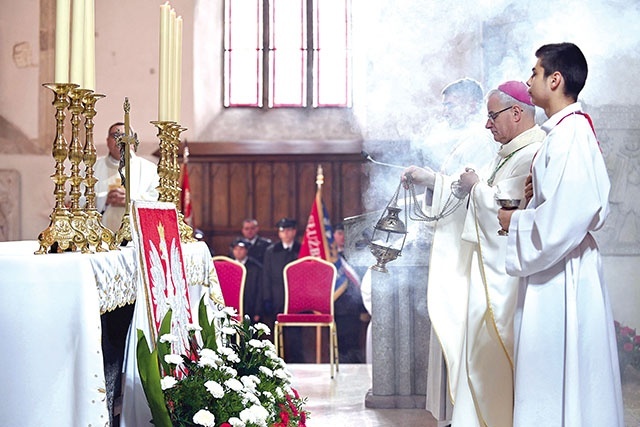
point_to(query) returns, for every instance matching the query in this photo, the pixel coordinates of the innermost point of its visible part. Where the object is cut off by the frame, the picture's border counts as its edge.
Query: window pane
(332, 54)
(243, 53)
(287, 53)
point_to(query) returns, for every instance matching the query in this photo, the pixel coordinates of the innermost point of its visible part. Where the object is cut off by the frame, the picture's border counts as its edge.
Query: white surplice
(566, 362)
(492, 293)
(144, 183)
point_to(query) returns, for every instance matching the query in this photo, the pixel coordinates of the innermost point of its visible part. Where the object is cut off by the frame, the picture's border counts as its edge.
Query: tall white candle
(178, 70)
(89, 75)
(63, 20)
(77, 43)
(163, 72)
(172, 66)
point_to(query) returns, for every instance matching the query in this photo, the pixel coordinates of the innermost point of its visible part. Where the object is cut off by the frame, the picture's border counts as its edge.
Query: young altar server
(566, 367)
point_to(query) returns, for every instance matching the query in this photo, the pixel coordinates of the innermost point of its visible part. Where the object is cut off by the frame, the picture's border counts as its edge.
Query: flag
(318, 238)
(185, 195)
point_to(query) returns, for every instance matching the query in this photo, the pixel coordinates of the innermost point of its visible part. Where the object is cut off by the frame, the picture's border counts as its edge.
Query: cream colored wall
(19, 86)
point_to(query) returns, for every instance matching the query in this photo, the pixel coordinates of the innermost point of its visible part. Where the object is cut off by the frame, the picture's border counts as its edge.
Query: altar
(50, 308)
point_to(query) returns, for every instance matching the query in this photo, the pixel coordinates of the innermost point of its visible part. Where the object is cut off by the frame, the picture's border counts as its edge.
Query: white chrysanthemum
(215, 389)
(207, 361)
(170, 338)
(168, 382)
(266, 371)
(249, 397)
(193, 327)
(207, 352)
(249, 383)
(236, 422)
(220, 314)
(269, 396)
(228, 330)
(234, 384)
(229, 311)
(262, 327)
(281, 373)
(204, 418)
(174, 359)
(229, 370)
(255, 414)
(271, 354)
(279, 393)
(257, 343)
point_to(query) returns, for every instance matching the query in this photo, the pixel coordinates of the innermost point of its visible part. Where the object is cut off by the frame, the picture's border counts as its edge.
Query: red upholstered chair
(308, 301)
(231, 275)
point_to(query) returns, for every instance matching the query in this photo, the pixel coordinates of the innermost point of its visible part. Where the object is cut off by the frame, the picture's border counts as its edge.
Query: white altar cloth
(50, 309)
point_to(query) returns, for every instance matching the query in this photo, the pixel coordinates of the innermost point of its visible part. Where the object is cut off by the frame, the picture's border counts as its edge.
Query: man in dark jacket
(253, 293)
(276, 257)
(258, 243)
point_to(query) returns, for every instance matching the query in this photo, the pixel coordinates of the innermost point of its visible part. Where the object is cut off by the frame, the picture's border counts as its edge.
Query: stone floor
(340, 402)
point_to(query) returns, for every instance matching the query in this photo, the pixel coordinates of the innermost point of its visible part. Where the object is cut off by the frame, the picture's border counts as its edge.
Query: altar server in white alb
(471, 299)
(110, 194)
(566, 369)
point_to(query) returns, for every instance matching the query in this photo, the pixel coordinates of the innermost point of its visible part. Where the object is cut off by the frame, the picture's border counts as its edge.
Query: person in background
(566, 365)
(252, 305)
(276, 257)
(110, 194)
(348, 307)
(454, 144)
(259, 244)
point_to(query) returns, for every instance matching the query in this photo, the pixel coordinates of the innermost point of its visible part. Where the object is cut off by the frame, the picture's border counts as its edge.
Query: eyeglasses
(494, 116)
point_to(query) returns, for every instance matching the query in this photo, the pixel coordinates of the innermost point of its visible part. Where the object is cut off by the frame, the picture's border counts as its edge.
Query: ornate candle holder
(97, 233)
(169, 172)
(58, 236)
(76, 157)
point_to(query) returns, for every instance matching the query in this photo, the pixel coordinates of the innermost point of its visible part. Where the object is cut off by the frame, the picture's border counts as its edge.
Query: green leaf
(208, 332)
(164, 348)
(150, 376)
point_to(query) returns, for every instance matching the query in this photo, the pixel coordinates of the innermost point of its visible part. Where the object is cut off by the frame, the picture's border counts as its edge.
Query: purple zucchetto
(517, 90)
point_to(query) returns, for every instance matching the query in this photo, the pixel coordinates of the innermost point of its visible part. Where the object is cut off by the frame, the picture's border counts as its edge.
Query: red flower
(225, 425)
(636, 339)
(295, 393)
(626, 331)
(628, 347)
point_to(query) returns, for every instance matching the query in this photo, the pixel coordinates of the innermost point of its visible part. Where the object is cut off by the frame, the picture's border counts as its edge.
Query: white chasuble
(566, 365)
(492, 293)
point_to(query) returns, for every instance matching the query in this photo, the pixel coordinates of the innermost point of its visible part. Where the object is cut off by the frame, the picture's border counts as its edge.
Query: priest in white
(566, 358)
(110, 194)
(471, 299)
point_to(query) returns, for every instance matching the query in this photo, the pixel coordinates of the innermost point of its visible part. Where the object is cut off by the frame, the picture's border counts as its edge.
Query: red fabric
(231, 277)
(164, 274)
(309, 284)
(185, 196)
(305, 318)
(314, 241)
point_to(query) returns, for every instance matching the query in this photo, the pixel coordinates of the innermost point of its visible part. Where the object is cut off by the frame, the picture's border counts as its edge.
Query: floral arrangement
(230, 378)
(628, 346)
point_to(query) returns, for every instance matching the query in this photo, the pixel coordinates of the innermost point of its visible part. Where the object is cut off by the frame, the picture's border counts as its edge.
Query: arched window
(287, 53)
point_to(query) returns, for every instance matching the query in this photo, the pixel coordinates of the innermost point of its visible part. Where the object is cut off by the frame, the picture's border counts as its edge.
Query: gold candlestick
(76, 156)
(97, 233)
(169, 172)
(58, 236)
